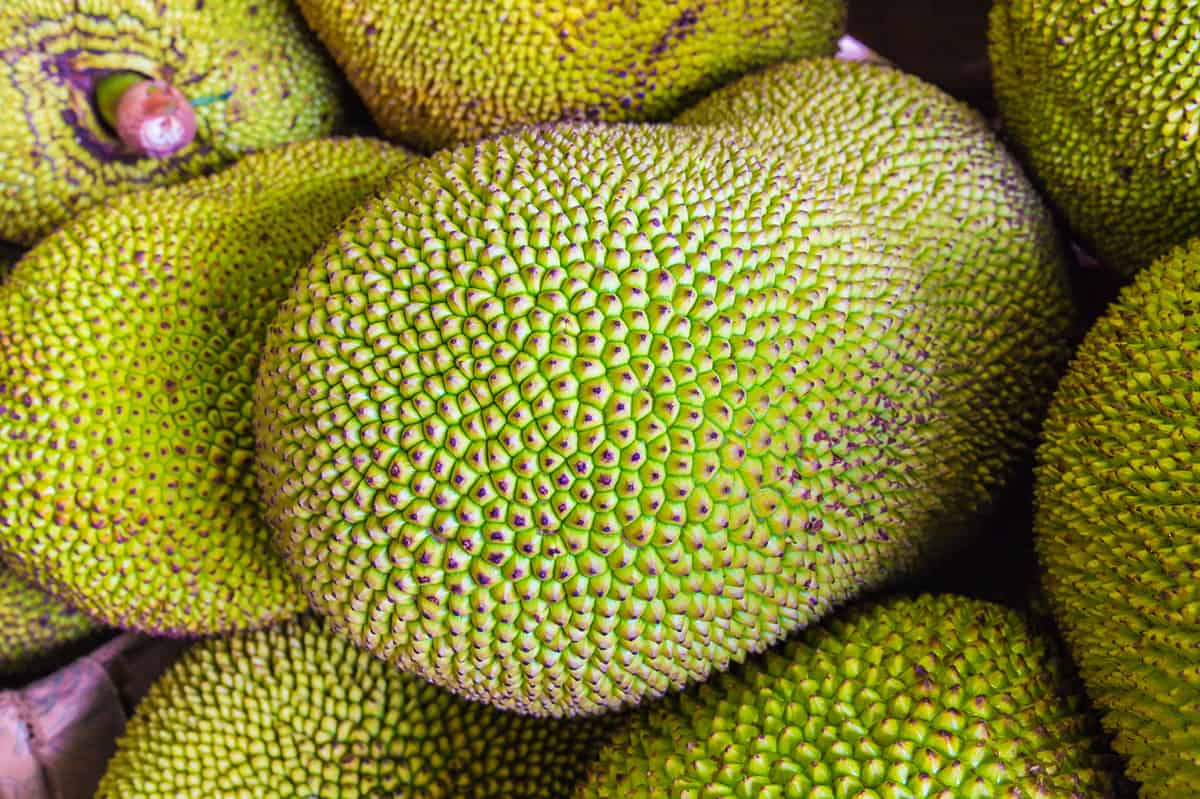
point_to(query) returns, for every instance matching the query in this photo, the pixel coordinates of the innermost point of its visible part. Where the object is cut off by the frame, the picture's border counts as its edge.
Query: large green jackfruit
(297, 712)
(930, 697)
(1099, 98)
(577, 415)
(34, 624)
(267, 78)
(1118, 520)
(451, 71)
(128, 344)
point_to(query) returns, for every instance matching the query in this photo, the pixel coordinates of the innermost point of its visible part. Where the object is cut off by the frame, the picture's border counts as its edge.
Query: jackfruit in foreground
(34, 625)
(297, 712)
(253, 70)
(1118, 520)
(128, 344)
(435, 73)
(937, 696)
(578, 415)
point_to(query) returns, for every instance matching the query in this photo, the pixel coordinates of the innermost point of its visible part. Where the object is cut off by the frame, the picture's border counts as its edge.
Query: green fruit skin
(1097, 100)
(128, 344)
(1116, 525)
(57, 157)
(937, 696)
(579, 415)
(34, 624)
(295, 711)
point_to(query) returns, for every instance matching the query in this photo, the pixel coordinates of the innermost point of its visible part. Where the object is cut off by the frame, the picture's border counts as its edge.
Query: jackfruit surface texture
(937, 696)
(128, 344)
(1099, 100)
(577, 415)
(295, 711)
(1116, 526)
(926, 173)
(56, 155)
(34, 624)
(446, 72)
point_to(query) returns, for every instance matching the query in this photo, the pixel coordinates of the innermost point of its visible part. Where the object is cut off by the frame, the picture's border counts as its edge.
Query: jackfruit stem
(150, 117)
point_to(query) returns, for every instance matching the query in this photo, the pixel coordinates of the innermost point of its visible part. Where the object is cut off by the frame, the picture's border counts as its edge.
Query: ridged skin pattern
(441, 72)
(1117, 520)
(56, 155)
(1099, 99)
(580, 414)
(936, 697)
(924, 171)
(128, 345)
(297, 712)
(33, 624)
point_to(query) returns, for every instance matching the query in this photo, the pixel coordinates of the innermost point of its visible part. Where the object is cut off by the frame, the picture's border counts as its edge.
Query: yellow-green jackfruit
(445, 72)
(576, 415)
(128, 343)
(34, 624)
(256, 74)
(930, 697)
(295, 711)
(1118, 520)
(1099, 99)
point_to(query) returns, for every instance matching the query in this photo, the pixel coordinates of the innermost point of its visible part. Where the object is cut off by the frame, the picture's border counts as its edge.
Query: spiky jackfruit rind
(933, 696)
(1116, 525)
(447, 72)
(267, 78)
(580, 414)
(1097, 98)
(927, 173)
(128, 344)
(296, 711)
(33, 624)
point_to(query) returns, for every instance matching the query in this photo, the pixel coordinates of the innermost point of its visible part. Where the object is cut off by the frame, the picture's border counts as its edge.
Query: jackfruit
(295, 711)
(128, 343)
(1116, 526)
(1099, 101)
(444, 72)
(576, 415)
(33, 625)
(937, 696)
(253, 71)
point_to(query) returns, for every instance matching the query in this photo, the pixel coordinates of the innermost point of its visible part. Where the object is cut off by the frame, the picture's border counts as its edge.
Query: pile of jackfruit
(580, 399)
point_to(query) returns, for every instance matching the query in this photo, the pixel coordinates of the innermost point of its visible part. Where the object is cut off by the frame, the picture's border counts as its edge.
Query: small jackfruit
(446, 72)
(1099, 100)
(34, 625)
(1118, 498)
(295, 711)
(254, 72)
(937, 696)
(128, 343)
(578, 415)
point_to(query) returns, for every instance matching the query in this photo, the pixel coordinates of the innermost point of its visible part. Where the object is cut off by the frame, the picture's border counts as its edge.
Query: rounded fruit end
(155, 119)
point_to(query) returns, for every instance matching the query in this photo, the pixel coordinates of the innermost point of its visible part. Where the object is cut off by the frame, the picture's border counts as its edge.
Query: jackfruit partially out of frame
(295, 711)
(34, 625)
(578, 415)
(128, 344)
(444, 72)
(1118, 520)
(255, 72)
(937, 696)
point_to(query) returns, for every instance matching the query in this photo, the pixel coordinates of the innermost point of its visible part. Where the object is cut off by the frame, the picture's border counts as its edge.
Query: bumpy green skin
(1097, 97)
(128, 344)
(925, 172)
(56, 155)
(297, 712)
(33, 624)
(581, 414)
(443, 72)
(1116, 524)
(937, 697)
